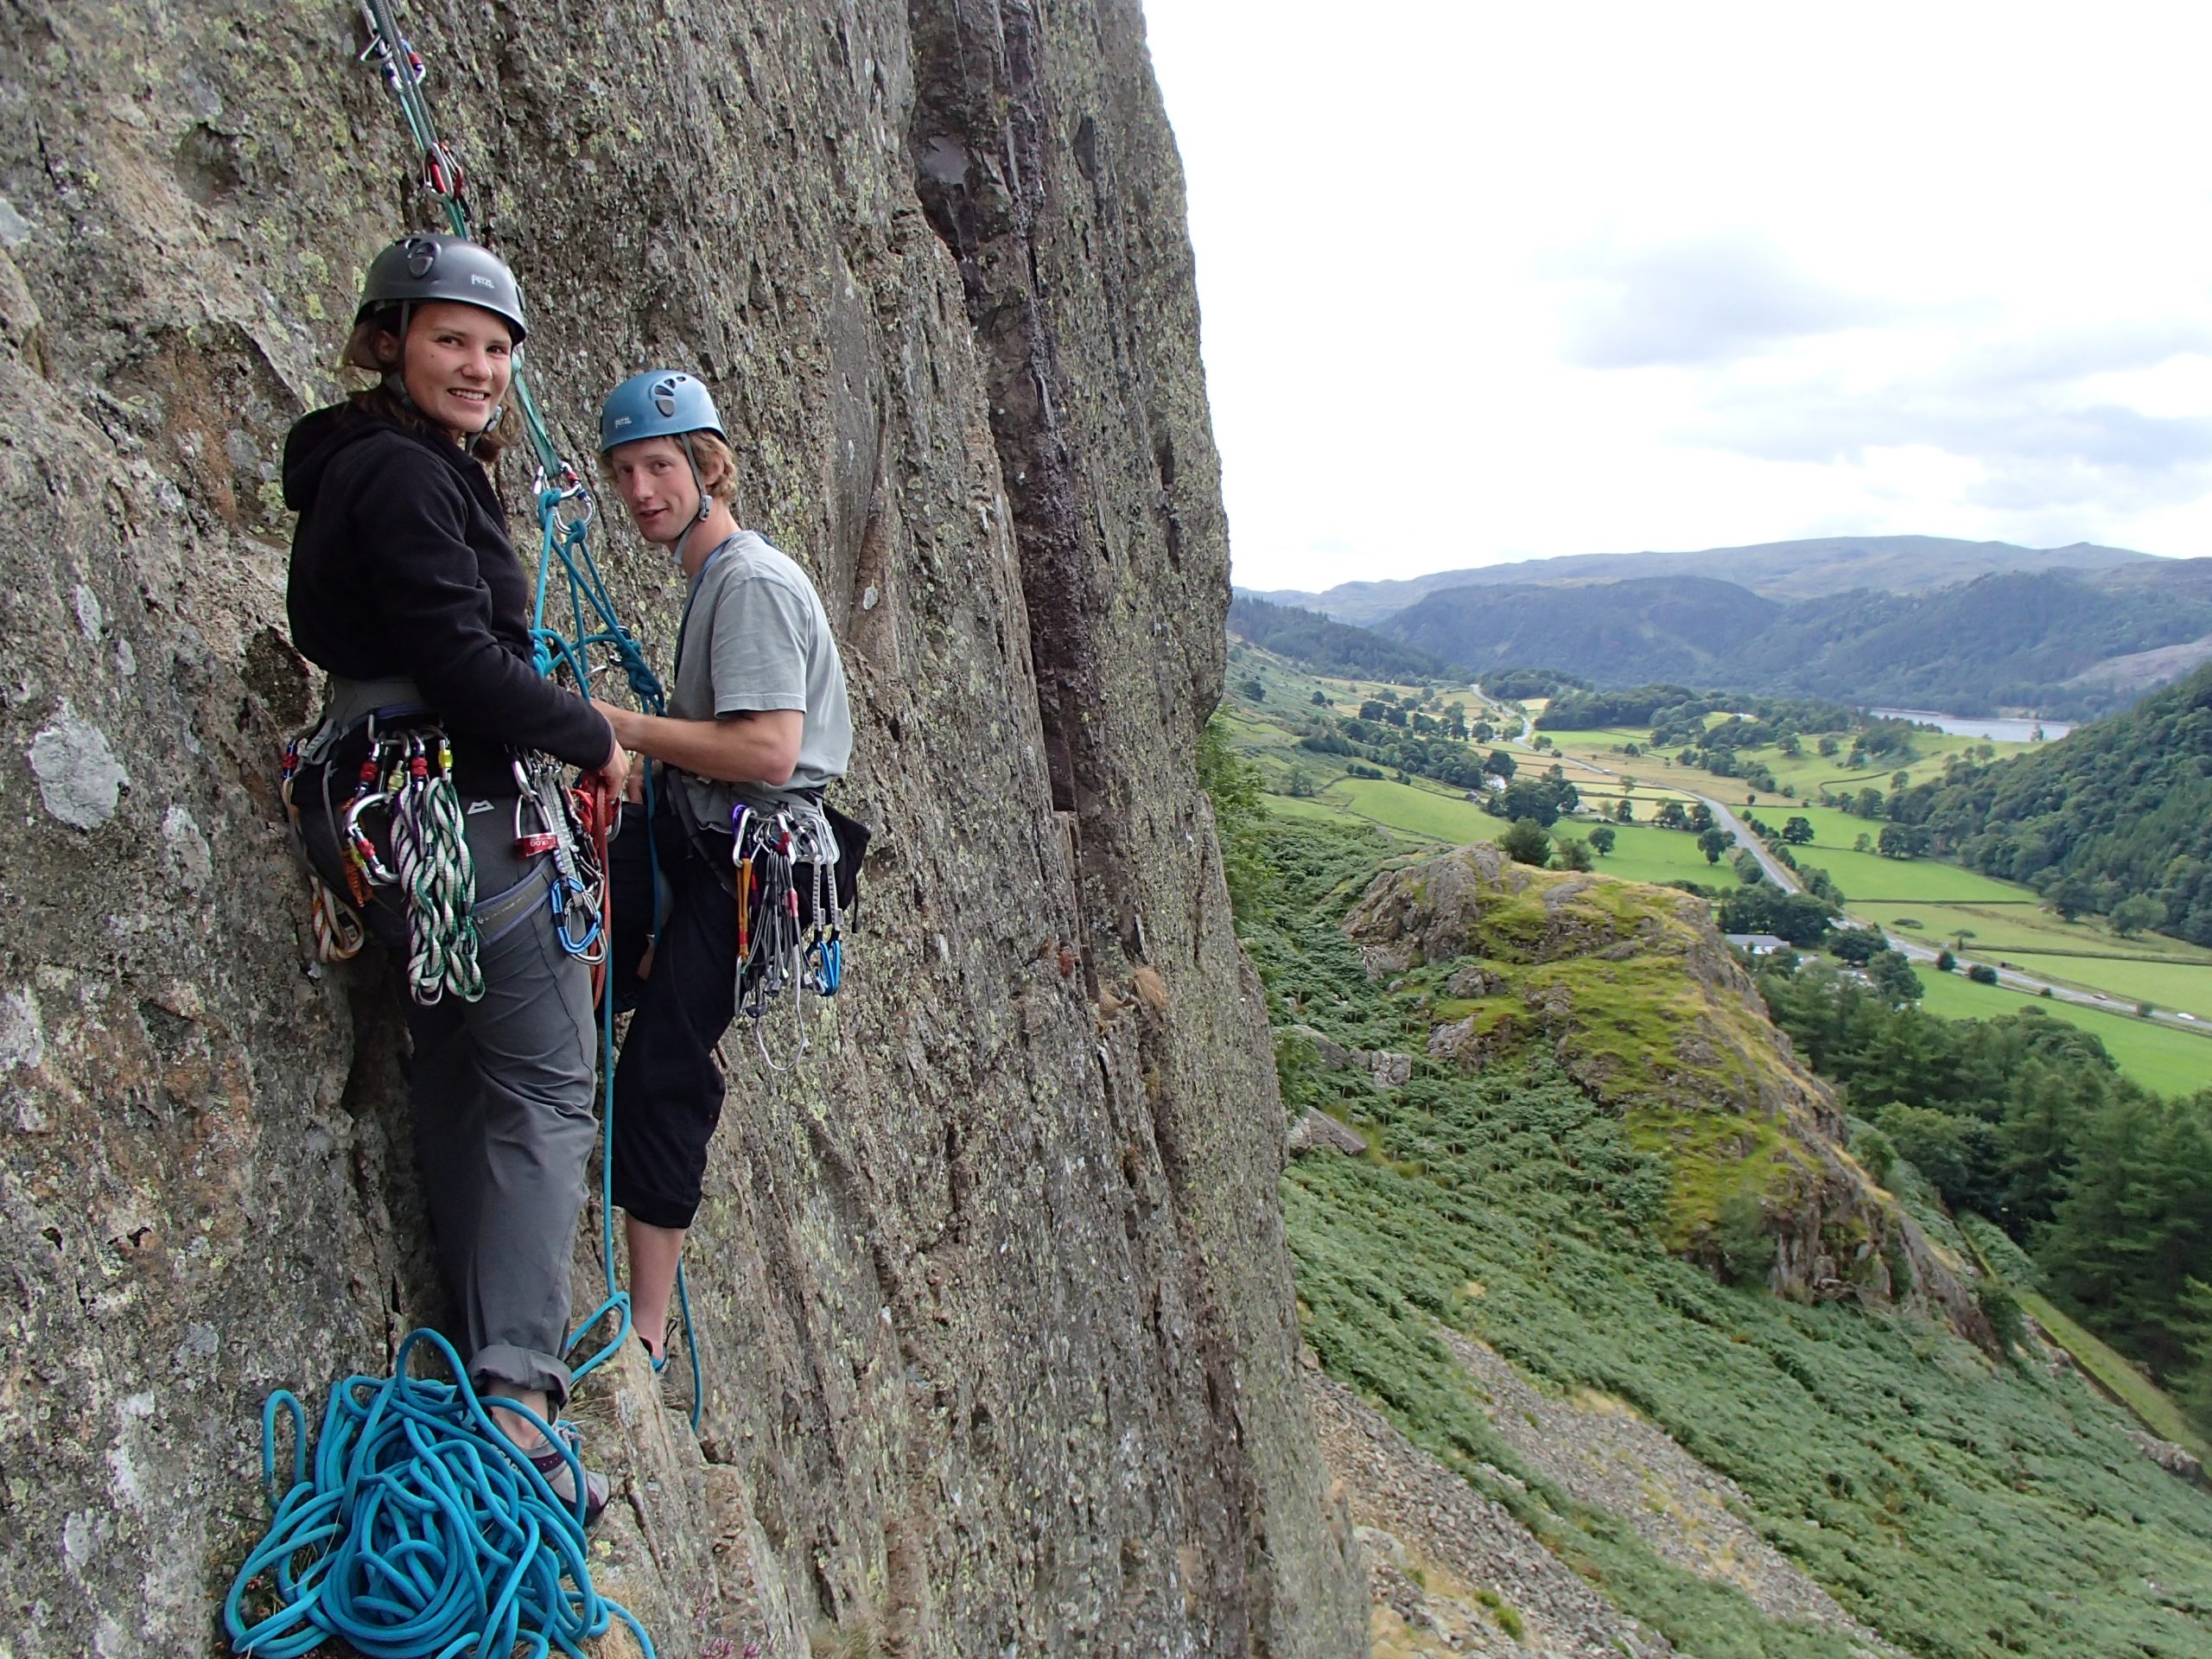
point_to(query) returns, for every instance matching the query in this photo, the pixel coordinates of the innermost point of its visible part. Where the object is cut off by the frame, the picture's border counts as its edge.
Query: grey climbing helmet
(416, 269)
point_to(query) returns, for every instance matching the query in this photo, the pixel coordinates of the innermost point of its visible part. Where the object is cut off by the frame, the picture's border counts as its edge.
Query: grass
(1644, 854)
(1965, 1511)
(2169, 1059)
(2114, 1374)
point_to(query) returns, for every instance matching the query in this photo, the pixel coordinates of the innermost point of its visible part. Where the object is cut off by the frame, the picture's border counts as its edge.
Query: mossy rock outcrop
(1637, 995)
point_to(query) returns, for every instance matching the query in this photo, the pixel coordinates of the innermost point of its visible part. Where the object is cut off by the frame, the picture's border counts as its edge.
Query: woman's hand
(612, 774)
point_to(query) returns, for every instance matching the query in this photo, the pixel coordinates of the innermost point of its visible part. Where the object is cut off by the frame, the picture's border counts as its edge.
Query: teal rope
(416, 1528)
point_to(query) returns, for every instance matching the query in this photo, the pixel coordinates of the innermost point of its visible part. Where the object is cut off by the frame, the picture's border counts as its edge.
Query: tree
(1320, 699)
(1982, 974)
(1828, 747)
(2135, 1224)
(1299, 785)
(1525, 842)
(1798, 832)
(1624, 813)
(1869, 802)
(1602, 839)
(1701, 817)
(2135, 913)
(1856, 945)
(1747, 866)
(2069, 896)
(1902, 841)
(1875, 1152)
(1945, 961)
(1250, 686)
(1893, 977)
(1500, 764)
(1862, 842)
(1941, 1146)
(1713, 843)
(1671, 816)
(1574, 854)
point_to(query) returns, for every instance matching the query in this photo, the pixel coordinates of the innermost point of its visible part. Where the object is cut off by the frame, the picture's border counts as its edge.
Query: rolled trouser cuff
(520, 1368)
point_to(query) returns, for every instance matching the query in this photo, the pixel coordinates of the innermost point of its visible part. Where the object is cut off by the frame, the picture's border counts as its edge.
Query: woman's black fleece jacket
(401, 566)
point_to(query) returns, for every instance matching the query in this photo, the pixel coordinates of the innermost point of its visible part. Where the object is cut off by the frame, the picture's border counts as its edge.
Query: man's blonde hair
(717, 461)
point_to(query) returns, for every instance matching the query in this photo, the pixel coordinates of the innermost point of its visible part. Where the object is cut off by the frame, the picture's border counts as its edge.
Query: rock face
(998, 1321)
(1635, 995)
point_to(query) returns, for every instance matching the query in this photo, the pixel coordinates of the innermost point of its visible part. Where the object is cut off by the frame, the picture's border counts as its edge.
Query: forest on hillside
(1323, 645)
(2115, 819)
(2009, 640)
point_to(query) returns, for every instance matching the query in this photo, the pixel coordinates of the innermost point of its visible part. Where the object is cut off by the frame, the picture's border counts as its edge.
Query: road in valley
(1912, 950)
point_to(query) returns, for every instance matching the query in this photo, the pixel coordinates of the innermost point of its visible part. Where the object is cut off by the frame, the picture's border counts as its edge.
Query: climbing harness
(417, 1529)
(408, 783)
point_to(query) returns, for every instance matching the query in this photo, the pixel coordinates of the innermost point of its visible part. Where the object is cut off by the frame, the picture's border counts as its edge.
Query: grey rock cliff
(1000, 1330)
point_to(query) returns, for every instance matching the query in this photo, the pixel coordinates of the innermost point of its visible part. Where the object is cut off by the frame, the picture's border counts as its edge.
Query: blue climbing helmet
(658, 404)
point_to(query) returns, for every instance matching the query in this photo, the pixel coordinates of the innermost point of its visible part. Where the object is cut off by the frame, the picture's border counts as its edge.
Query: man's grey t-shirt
(755, 638)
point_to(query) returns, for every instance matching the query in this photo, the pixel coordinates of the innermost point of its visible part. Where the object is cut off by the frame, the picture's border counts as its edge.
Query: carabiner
(365, 850)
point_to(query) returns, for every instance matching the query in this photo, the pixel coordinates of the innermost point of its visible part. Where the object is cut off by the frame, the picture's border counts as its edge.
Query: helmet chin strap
(706, 502)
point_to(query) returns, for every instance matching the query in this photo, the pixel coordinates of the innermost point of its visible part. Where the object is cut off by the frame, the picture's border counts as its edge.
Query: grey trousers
(503, 1100)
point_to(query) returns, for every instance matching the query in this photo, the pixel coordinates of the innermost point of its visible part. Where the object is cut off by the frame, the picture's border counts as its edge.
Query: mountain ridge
(2058, 642)
(1792, 570)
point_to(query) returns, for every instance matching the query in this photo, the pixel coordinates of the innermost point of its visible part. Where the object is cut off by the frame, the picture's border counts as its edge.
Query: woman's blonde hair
(375, 346)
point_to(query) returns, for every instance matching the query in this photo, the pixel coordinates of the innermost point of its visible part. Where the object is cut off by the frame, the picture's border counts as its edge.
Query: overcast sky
(1483, 282)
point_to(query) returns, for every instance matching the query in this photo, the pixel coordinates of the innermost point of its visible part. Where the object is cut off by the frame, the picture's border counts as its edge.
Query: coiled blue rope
(416, 1528)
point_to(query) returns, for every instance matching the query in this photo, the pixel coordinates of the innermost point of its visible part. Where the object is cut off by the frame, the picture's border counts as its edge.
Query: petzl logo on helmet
(477, 279)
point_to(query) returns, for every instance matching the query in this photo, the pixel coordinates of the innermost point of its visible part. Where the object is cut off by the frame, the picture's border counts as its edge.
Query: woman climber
(425, 791)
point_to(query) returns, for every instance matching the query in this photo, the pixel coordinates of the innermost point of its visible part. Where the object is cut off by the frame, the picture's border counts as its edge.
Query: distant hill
(2062, 643)
(1614, 633)
(1320, 644)
(1805, 569)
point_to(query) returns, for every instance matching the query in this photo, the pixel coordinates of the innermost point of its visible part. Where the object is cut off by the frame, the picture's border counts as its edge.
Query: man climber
(757, 727)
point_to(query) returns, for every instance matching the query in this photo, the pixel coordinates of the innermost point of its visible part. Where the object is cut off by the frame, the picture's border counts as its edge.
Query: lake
(1994, 728)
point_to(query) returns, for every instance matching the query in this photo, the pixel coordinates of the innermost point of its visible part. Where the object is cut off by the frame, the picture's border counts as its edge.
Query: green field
(1805, 773)
(2168, 1059)
(1643, 853)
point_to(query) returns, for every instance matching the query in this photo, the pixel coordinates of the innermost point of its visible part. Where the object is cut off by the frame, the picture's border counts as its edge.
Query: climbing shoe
(549, 1463)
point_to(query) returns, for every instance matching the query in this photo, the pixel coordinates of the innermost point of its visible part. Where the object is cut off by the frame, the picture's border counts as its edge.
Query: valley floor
(2148, 998)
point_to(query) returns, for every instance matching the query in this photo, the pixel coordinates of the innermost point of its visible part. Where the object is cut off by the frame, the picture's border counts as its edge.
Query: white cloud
(1708, 299)
(1482, 283)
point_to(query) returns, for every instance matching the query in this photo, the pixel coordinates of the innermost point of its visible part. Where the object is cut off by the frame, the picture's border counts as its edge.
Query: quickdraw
(780, 946)
(570, 831)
